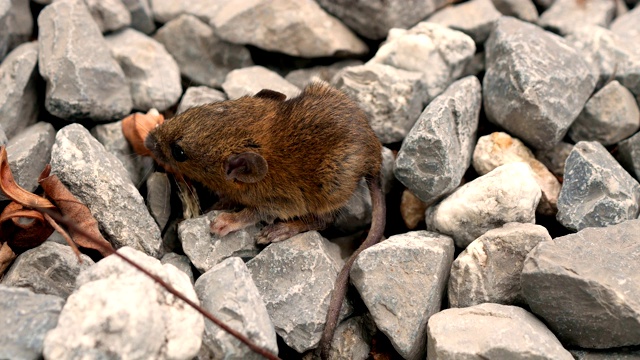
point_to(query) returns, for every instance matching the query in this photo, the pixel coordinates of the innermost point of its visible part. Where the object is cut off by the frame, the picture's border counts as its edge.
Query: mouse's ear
(246, 167)
(270, 94)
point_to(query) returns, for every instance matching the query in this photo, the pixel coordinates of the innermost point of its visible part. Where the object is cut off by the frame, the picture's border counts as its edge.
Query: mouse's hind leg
(285, 229)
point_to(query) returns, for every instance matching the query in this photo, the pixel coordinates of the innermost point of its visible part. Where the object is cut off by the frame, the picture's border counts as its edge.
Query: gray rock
(306, 30)
(205, 249)
(100, 181)
(392, 98)
(629, 75)
(152, 74)
(26, 318)
(118, 312)
(374, 19)
(228, 292)
(629, 155)
(440, 54)
(203, 57)
(199, 95)
(356, 214)
(28, 154)
(437, 152)
(566, 15)
(159, 198)
(50, 268)
(16, 24)
(509, 193)
(5, 34)
(111, 137)
(609, 116)
(83, 80)
(585, 286)
(402, 281)
(596, 191)
(141, 16)
(166, 10)
(18, 94)
(524, 10)
(303, 77)
(352, 338)
(491, 331)
(250, 80)
(181, 262)
(295, 278)
(474, 18)
(475, 66)
(611, 354)
(525, 90)
(110, 15)
(488, 270)
(627, 27)
(555, 158)
(3, 137)
(388, 164)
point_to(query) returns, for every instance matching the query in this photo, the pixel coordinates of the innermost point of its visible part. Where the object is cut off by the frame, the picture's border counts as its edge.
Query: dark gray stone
(141, 16)
(159, 198)
(474, 18)
(26, 318)
(596, 191)
(612, 354)
(524, 10)
(566, 15)
(16, 24)
(100, 181)
(303, 77)
(437, 151)
(18, 94)
(629, 155)
(585, 286)
(525, 90)
(555, 158)
(179, 261)
(250, 80)
(199, 95)
(109, 15)
(83, 80)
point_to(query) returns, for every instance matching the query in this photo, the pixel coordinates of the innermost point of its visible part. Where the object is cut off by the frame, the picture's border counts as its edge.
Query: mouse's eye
(178, 153)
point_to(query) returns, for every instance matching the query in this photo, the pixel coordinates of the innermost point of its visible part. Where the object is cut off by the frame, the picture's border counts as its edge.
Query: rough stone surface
(499, 148)
(297, 28)
(152, 74)
(100, 181)
(250, 80)
(159, 198)
(388, 164)
(524, 10)
(609, 116)
(205, 250)
(474, 18)
(18, 95)
(26, 318)
(509, 193)
(303, 77)
(596, 191)
(402, 281)
(535, 85)
(555, 158)
(612, 354)
(356, 214)
(229, 293)
(202, 56)
(114, 313)
(83, 80)
(491, 331)
(392, 98)
(627, 26)
(586, 287)
(565, 15)
(352, 338)
(440, 54)
(488, 270)
(181, 262)
(199, 95)
(295, 279)
(437, 151)
(16, 24)
(110, 15)
(50, 268)
(141, 16)
(629, 155)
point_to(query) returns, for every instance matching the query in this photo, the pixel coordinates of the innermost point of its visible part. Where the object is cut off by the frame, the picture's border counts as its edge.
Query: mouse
(290, 163)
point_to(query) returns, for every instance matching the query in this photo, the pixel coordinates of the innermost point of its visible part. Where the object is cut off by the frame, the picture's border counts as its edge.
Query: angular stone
(374, 19)
(26, 318)
(488, 270)
(159, 198)
(474, 18)
(356, 214)
(610, 115)
(352, 338)
(110, 15)
(555, 158)
(437, 152)
(306, 30)
(491, 331)
(437, 52)
(83, 80)
(303, 77)
(16, 24)
(509, 193)
(250, 80)
(199, 95)
(228, 292)
(566, 15)
(610, 354)
(525, 91)
(100, 181)
(402, 281)
(118, 312)
(203, 57)
(392, 98)
(596, 191)
(152, 74)
(629, 155)
(586, 286)
(295, 279)
(388, 164)
(181, 262)
(205, 249)
(50, 268)
(141, 16)
(524, 10)
(499, 148)
(18, 94)
(628, 28)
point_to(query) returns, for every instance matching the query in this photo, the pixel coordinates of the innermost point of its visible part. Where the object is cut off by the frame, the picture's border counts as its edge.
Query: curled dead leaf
(135, 128)
(13, 191)
(23, 228)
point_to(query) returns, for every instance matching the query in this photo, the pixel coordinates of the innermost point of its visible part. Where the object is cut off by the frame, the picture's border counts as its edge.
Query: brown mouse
(291, 163)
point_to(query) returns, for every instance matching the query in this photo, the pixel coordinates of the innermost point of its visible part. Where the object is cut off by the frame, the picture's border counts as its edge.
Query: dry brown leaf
(135, 128)
(6, 257)
(22, 228)
(13, 191)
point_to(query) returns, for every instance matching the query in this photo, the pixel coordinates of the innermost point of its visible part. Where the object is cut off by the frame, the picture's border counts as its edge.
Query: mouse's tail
(342, 282)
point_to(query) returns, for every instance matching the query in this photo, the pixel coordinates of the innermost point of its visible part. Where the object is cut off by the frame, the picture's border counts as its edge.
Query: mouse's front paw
(223, 224)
